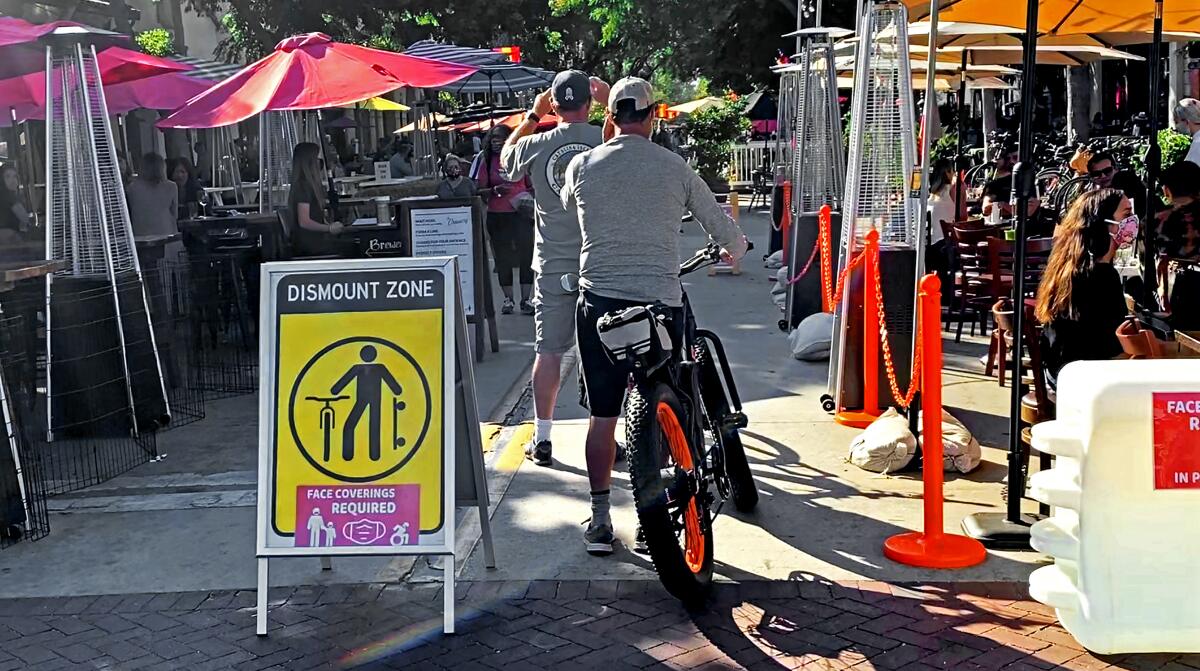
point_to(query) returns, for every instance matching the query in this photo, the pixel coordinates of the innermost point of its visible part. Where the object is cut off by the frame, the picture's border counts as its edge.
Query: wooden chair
(1039, 403)
(1139, 342)
(972, 293)
(1002, 314)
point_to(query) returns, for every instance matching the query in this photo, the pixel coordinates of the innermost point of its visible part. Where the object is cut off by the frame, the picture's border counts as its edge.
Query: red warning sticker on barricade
(1177, 440)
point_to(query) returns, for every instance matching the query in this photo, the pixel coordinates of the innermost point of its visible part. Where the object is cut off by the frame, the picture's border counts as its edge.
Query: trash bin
(1125, 489)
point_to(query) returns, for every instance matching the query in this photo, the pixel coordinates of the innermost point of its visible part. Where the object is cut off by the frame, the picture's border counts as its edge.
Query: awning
(202, 68)
(496, 74)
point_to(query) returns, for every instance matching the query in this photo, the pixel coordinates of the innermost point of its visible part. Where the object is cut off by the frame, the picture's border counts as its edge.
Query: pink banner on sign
(357, 515)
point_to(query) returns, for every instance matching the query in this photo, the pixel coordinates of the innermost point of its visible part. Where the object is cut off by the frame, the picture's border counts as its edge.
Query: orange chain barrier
(903, 400)
(824, 233)
(785, 223)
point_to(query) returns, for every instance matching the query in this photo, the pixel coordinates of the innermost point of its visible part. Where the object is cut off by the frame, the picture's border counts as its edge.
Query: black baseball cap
(571, 90)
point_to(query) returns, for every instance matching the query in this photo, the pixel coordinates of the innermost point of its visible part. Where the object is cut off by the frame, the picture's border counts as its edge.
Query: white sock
(541, 429)
(600, 508)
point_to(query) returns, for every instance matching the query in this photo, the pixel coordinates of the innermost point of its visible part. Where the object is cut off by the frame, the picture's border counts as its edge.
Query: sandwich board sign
(364, 392)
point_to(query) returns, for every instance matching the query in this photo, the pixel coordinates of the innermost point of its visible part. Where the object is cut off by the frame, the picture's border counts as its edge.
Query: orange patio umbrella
(1069, 17)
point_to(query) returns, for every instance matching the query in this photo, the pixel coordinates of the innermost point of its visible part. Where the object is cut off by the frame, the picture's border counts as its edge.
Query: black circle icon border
(416, 444)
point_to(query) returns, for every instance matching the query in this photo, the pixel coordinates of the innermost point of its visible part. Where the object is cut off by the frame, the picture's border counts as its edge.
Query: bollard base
(995, 530)
(855, 418)
(945, 551)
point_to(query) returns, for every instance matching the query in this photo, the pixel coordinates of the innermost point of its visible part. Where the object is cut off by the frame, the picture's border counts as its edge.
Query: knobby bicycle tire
(654, 414)
(743, 492)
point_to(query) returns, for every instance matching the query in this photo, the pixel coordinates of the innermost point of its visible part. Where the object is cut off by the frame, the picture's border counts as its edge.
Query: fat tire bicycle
(682, 417)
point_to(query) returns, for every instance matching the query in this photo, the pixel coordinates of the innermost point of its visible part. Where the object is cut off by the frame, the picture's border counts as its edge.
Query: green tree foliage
(1174, 147)
(156, 42)
(712, 132)
(732, 43)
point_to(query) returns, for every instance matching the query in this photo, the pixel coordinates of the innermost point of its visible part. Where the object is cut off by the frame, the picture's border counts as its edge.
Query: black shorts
(604, 380)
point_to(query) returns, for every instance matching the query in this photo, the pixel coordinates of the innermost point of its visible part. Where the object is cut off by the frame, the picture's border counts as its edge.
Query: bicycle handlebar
(701, 259)
(323, 399)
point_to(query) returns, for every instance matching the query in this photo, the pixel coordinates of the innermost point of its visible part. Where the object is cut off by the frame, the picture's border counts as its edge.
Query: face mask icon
(364, 532)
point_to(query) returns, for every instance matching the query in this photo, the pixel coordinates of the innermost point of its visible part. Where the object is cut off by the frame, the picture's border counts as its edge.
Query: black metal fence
(224, 296)
(167, 293)
(23, 514)
(99, 424)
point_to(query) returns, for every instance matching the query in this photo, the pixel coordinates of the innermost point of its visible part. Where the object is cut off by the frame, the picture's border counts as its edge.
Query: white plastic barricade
(1125, 533)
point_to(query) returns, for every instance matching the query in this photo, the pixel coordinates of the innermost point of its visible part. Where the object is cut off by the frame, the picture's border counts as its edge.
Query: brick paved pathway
(569, 625)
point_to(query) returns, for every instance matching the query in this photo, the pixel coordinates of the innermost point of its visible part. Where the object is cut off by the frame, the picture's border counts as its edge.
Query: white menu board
(448, 231)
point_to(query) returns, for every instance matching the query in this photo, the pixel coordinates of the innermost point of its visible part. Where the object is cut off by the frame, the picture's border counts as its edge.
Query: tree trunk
(1079, 98)
(989, 117)
(1096, 104)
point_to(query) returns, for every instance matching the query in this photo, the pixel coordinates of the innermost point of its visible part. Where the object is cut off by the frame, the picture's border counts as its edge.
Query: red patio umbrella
(311, 72)
(119, 69)
(512, 121)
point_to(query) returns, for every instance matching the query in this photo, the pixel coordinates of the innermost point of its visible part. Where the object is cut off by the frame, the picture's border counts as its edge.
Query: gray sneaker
(622, 452)
(539, 452)
(599, 539)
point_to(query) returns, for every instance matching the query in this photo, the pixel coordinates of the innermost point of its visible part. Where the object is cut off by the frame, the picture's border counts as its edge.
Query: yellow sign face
(358, 406)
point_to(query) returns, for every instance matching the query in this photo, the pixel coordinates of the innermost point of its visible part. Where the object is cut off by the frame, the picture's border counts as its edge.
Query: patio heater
(104, 376)
(226, 169)
(877, 196)
(785, 124)
(278, 135)
(818, 168)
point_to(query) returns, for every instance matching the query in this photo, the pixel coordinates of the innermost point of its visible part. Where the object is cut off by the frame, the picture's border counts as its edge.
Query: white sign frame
(272, 274)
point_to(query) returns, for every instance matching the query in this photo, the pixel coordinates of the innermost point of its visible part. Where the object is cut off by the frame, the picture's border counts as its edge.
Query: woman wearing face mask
(1080, 302)
(454, 185)
(510, 232)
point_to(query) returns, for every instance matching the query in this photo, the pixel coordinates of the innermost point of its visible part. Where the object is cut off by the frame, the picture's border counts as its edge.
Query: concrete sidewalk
(818, 515)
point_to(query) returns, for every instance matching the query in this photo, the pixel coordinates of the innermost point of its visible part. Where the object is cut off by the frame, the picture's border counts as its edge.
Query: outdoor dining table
(15, 271)
(261, 228)
(1189, 343)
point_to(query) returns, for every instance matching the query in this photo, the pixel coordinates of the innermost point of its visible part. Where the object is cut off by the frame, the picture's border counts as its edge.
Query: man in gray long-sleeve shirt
(631, 195)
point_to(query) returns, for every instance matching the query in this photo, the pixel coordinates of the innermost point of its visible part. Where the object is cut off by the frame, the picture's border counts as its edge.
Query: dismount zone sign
(356, 451)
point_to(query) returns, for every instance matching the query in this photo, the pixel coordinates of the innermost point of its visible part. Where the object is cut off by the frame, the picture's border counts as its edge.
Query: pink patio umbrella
(307, 72)
(160, 86)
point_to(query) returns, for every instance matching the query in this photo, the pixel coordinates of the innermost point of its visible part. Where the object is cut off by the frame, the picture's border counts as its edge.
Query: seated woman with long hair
(311, 235)
(1080, 302)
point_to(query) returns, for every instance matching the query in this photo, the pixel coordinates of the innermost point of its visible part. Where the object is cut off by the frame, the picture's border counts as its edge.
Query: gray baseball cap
(631, 88)
(571, 89)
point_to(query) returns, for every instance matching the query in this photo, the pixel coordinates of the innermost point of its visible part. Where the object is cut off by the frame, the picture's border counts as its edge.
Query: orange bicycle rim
(693, 536)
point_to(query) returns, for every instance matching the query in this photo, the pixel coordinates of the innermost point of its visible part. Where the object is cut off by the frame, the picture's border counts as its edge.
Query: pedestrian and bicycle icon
(366, 396)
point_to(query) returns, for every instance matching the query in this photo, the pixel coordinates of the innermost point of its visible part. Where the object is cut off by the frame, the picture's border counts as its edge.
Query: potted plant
(712, 132)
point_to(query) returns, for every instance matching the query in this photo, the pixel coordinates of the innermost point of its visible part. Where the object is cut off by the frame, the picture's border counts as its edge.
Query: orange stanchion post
(870, 409)
(825, 228)
(932, 548)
